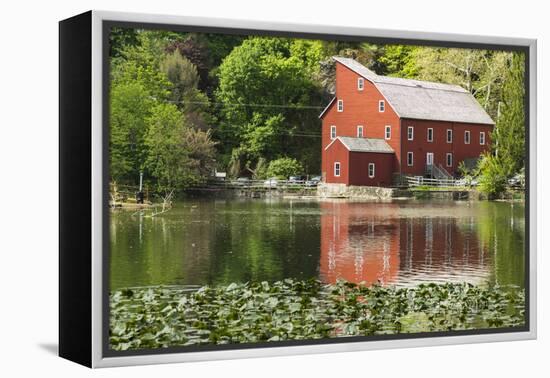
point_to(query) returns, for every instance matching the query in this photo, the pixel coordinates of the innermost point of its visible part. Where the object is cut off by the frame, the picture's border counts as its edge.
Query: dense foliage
(258, 99)
(508, 156)
(294, 310)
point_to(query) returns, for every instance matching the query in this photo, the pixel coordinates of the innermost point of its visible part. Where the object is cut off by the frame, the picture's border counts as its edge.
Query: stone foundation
(325, 190)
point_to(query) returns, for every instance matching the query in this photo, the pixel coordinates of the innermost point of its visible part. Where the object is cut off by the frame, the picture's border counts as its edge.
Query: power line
(307, 107)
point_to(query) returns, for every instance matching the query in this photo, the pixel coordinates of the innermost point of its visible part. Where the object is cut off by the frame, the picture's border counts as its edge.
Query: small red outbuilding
(360, 161)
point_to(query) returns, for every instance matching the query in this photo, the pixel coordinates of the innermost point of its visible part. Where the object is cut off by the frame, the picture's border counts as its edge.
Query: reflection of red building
(359, 242)
(370, 242)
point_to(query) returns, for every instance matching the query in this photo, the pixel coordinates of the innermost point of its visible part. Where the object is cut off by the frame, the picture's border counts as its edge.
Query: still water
(403, 243)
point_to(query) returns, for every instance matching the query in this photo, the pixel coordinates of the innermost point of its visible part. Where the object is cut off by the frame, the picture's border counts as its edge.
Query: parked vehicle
(313, 182)
(271, 183)
(296, 180)
(516, 181)
(242, 181)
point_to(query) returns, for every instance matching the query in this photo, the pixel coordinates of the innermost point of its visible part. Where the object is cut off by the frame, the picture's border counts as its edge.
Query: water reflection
(400, 243)
(405, 244)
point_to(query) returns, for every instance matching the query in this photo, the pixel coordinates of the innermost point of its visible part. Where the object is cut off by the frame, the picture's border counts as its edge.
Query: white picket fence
(413, 181)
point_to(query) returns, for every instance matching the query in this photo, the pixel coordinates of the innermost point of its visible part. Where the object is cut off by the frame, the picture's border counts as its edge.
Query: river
(402, 243)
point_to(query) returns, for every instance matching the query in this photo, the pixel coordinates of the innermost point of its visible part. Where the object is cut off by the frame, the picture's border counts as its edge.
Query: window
(410, 133)
(482, 138)
(337, 169)
(430, 134)
(387, 134)
(381, 106)
(333, 132)
(449, 136)
(360, 83)
(430, 158)
(340, 105)
(449, 160)
(359, 131)
(371, 170)
(466, 137)
(410, 159)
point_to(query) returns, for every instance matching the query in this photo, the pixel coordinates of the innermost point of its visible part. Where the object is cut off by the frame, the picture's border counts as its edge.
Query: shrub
(493, 177)
(284, 167)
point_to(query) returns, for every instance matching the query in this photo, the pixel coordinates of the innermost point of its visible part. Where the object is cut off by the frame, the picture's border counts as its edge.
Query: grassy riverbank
(292, 310)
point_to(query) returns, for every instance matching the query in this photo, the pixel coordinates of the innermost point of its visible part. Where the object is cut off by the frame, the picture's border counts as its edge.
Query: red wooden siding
(360, 108)
(359, 166)
(420, 146)
(337, 152)
(354, 166)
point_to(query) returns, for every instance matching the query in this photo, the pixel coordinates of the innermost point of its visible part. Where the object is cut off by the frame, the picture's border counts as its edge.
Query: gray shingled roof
(418, 99)
(365, 145)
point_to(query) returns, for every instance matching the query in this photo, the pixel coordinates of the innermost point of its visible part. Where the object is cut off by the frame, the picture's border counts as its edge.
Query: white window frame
(450, 133)
(340, 106)
(428, 156)
(371, 165)
(381, 106)
(332, 132)
(449, 159)
(362, 134)
(482, 138)
(430, 133)
(360, 83)
(410, 133)
(468, 139)
(337, 164)
(411, 163)
(387, 132)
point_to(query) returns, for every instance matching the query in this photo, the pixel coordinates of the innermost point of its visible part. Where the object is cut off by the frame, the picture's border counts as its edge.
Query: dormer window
(360, 84)
(381, 106)
(340, 105)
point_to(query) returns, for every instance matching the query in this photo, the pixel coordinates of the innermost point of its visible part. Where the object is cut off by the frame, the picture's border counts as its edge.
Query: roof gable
(363, 145)
(327, 107)
(425, 100)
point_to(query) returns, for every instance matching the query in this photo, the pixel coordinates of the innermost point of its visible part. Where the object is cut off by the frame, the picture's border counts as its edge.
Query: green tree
(508, 138)
(141, 63)
(284, 167)
(267, 89)
(120, 39)
(130, 106)
(185, 93)
(494, 173)
(509, 134)
(398, 60)
(179, 156)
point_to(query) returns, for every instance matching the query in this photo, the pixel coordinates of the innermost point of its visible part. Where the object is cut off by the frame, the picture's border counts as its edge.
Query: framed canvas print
(234, 189)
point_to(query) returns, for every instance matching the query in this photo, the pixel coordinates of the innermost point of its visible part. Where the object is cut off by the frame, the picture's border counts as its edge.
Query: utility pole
(139, 194)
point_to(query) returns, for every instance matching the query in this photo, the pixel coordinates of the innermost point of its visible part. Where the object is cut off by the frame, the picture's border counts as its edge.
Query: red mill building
(377, 128)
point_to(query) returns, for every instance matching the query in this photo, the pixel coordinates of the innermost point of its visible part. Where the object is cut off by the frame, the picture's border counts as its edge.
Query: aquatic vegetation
(158, 317)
